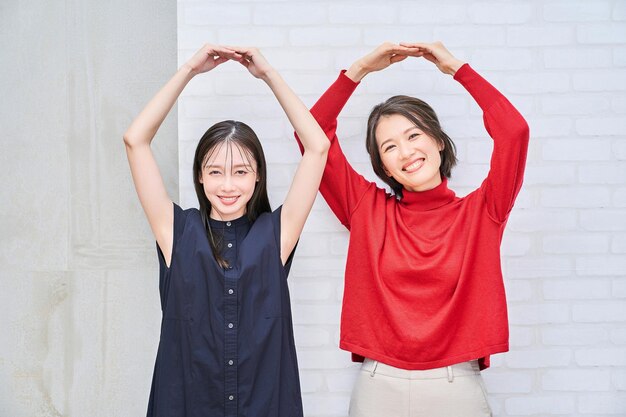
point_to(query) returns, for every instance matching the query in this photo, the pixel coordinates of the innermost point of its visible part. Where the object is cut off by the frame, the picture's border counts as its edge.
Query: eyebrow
(404, 133)
(222, 166)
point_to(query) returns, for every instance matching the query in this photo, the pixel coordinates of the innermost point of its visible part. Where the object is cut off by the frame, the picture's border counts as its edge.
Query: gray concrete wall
(79, 310)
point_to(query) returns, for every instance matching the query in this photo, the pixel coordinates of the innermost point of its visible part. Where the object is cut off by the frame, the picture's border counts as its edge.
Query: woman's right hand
(438, 54)
(380, 58)
(209, 57)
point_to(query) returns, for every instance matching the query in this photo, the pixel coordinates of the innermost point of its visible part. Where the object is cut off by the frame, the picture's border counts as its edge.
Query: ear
(387, 172)
(441, 146)
(200, 178)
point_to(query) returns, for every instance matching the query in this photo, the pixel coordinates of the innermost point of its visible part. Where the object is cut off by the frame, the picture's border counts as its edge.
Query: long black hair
(238, 134)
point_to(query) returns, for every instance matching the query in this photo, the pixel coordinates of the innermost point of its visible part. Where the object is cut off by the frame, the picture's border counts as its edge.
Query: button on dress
(226, 345)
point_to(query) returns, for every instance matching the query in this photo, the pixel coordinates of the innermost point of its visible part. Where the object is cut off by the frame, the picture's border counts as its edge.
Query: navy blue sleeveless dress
(226, 346)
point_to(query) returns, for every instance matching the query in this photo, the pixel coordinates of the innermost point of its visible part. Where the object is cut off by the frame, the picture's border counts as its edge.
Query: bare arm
(306, 181)
(153, 196)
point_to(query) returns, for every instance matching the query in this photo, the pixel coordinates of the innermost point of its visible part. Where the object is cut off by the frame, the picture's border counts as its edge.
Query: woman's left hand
(254, 61)
(437, 54)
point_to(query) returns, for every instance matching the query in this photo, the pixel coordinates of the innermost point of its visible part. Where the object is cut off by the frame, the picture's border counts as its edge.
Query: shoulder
(183, 218)
(267, 225)
(375, 196)
(186, 212)
(268, 218)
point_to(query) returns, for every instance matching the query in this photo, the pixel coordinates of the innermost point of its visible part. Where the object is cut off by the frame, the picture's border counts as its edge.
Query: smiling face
(414, 146)
(228, 177)
(408, 154)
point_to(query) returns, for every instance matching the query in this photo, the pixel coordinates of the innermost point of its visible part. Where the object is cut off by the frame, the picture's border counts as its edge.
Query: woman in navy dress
(226, 346)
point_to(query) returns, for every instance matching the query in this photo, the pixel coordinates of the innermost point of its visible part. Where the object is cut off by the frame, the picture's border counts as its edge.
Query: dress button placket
(230, 321)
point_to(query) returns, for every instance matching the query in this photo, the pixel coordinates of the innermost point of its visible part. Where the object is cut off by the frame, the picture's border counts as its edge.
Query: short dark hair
(421, 115)
(239, 134)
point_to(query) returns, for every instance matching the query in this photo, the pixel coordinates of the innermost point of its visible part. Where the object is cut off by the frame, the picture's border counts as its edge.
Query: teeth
(229, 198)
(414, 165)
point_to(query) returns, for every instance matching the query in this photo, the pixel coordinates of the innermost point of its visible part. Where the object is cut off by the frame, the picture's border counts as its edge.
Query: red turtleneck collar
(429, 199)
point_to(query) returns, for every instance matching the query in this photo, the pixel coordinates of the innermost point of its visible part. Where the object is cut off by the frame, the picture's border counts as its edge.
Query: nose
(227, 184)
(405, 150)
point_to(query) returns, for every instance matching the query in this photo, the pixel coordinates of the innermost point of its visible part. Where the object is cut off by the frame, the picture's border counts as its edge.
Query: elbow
(317, 147)
(130, 140)
(519, 130)
(321, 148)
(324, 146)
(127, 141)
(318, 153)
(524, 130)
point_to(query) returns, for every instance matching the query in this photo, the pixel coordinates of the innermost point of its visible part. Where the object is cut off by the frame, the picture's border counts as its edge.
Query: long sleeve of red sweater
(510, 134)
(341, 186)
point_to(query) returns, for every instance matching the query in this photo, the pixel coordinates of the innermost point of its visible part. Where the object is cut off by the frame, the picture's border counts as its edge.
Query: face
(408, 154)
(228, 178)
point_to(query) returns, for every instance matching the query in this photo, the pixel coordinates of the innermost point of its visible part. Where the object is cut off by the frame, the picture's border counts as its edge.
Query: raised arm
(342, 187)
(153, 196)
(306, 181)
(503, 122)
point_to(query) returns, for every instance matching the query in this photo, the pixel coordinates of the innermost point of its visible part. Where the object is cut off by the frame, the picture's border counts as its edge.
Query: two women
(424, 303)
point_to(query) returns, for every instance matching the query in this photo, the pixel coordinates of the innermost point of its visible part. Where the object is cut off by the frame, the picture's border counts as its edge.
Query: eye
(388, 148)
(414, 136)
(241, 172)
(214, 172)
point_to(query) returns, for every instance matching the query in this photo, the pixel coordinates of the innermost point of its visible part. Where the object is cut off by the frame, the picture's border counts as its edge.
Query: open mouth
(228, 200)
(414, 166)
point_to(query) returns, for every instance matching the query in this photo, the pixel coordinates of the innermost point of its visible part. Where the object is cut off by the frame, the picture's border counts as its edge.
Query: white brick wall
(564, 251)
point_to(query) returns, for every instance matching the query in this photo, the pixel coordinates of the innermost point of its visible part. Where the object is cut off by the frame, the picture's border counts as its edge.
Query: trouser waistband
(449, 372)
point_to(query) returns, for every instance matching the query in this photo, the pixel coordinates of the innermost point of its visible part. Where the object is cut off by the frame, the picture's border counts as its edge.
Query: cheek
(209, 187)
(248, 184)
(384, 159)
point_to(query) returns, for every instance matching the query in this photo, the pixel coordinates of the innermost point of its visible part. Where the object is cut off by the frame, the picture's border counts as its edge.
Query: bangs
(233, 148)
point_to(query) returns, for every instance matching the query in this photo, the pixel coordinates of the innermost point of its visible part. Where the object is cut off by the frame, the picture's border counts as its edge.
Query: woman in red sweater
(424, 304)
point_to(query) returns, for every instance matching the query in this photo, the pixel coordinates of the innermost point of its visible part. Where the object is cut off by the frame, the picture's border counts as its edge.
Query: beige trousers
(453, 391)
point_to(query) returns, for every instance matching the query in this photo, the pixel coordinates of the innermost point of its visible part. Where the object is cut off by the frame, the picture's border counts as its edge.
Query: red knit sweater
(423, 283)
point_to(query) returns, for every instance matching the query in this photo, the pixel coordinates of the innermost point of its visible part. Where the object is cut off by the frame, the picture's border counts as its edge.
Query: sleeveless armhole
(178, 225)
(164, 270)
(276, 226)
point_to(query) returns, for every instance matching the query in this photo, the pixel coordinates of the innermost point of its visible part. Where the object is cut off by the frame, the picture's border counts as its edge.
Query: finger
(414, 52)
(219, 60)
(245, 63)
(398, 58)
(415, 44)
(242, 50)
(431, 58)
(389, 47)
(236, 51)
(403, 50)
(226, 53)
(222, 49)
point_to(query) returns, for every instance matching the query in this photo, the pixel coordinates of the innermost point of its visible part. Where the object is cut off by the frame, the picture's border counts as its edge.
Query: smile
(414, 166)
(228, 200)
